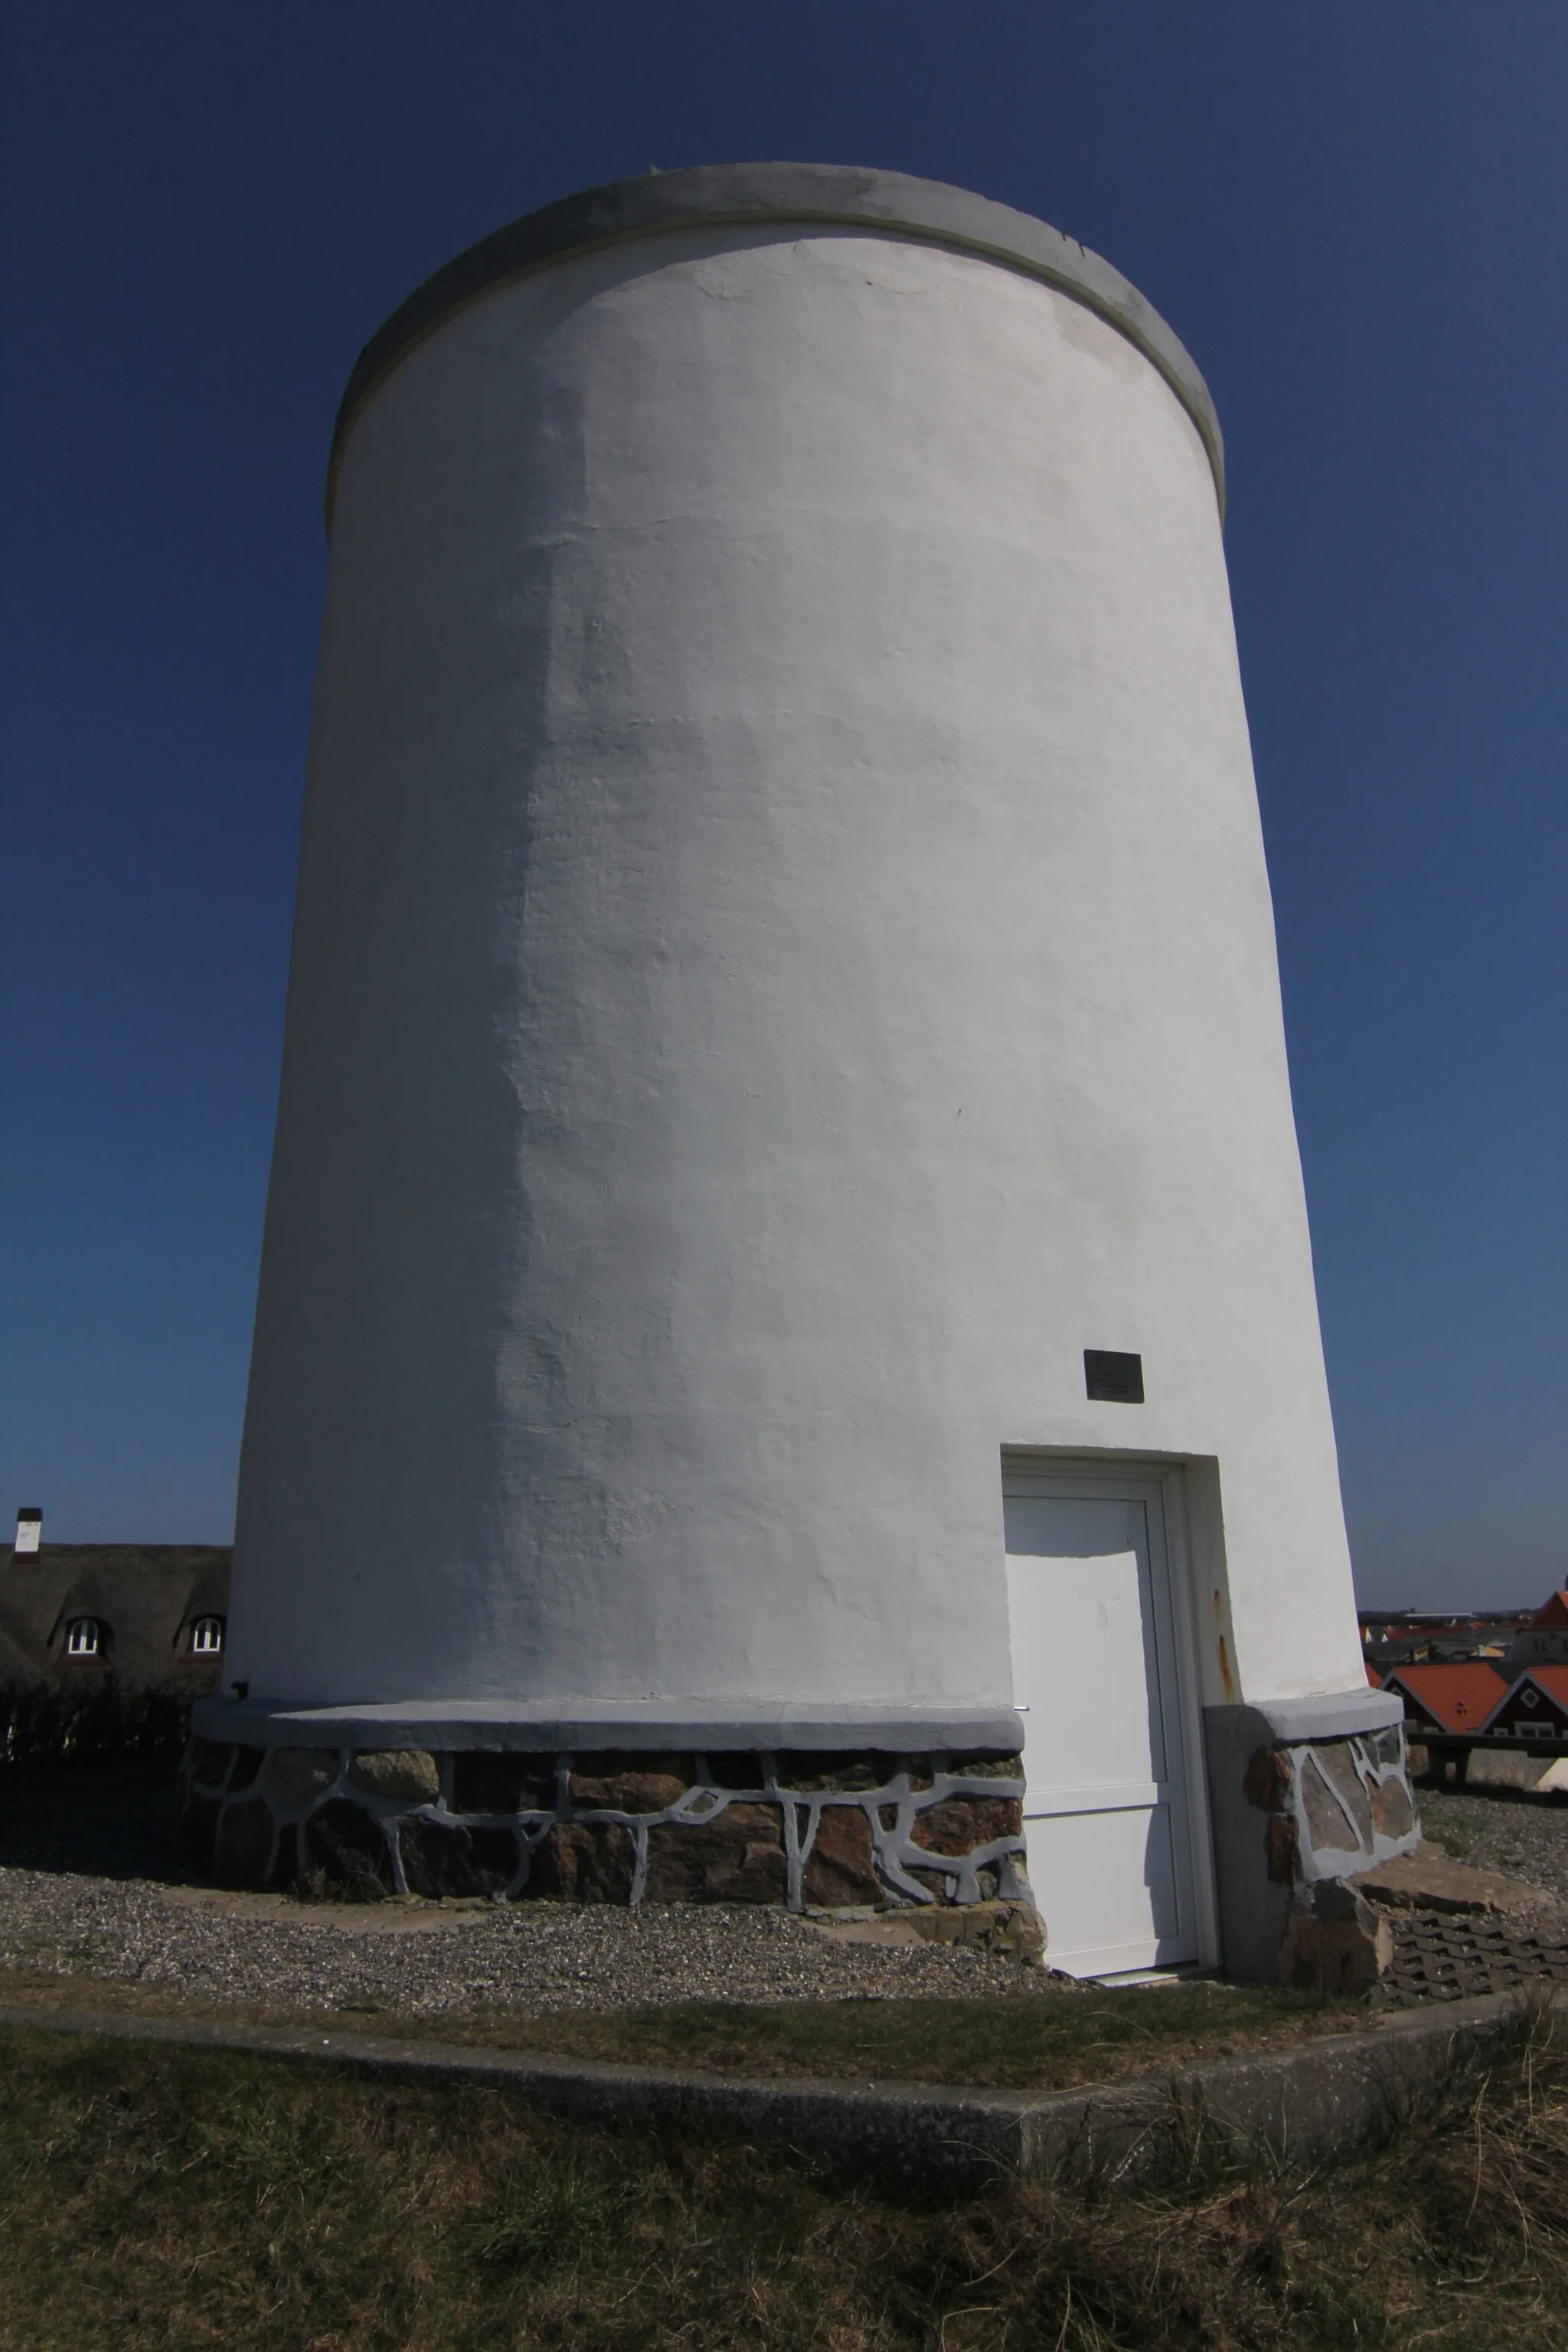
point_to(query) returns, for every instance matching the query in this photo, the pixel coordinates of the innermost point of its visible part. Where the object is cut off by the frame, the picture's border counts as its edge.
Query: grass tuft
(185, 2200)
(549, 2213)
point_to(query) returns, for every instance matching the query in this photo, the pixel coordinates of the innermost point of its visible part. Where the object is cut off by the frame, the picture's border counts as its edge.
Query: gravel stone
(115, 1917)
(425, 1960)
(297, 1775)
(1511, 1830)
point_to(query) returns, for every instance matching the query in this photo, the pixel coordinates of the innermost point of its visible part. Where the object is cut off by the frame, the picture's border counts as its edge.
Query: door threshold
(1177, 1972)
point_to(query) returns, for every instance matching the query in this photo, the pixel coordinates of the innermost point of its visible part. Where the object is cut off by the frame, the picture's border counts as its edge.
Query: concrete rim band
(714, 195)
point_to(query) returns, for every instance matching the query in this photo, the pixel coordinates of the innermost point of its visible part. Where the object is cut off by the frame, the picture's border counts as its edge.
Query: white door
(1108, 1814)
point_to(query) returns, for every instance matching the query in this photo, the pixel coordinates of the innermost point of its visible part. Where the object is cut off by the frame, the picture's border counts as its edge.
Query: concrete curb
(1313, 2099)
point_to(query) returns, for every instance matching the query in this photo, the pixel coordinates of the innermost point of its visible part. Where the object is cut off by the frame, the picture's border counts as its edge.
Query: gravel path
(430, 1960)
(1502, 1828)
(120, 1914)
(90, 1886)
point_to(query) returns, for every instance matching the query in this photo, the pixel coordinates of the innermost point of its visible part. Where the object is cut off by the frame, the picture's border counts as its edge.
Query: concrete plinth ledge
(1316, 2099)
(1327, 1715)
(539, 1724)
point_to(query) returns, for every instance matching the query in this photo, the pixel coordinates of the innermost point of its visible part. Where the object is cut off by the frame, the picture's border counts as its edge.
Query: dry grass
(1039, 2039)
(1030, 2040)
(180, 2200)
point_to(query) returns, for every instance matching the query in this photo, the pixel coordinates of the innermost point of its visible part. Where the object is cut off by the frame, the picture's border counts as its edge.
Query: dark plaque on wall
(1114, 1378)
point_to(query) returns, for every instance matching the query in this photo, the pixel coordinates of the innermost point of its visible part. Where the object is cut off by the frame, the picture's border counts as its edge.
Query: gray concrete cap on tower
(833, 194)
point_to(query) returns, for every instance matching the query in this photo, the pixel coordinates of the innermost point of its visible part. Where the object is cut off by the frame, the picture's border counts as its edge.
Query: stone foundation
(1293, 1817)
(809, 1831)
(1332, 1806)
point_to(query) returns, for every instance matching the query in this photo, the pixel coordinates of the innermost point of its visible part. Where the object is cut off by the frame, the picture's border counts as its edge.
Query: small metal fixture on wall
(1112, 1378)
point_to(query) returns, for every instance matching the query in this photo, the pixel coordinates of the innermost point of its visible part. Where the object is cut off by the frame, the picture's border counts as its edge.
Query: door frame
(1095, 1477)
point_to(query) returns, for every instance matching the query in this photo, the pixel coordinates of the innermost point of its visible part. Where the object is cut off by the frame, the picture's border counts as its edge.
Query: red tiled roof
(1555, 1612)
(1457, 1697)
(1553, 1680)
(1374, 1678)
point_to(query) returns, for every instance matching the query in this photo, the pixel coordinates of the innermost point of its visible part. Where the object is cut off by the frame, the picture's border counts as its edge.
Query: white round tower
(785, 1099)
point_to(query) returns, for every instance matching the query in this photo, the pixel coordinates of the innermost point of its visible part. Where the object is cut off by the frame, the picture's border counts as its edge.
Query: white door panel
(1106, 1813)
(1127, 1907)
(1108, 1797)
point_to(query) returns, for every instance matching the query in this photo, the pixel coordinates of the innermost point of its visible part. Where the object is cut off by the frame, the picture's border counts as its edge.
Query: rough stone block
(1428, 1881)
(410, 1773)
(987, 1768)
(504, 1784)
(1327, 1827)
(630, 1792)
(208, 1760)
(1339, 1765)
(737, 1857)
(1267, 1781)
(612, 1764)
(1281, 1843)
(936, 1883)
(346, 1847)
(1013, 1931)
(243, 1854)
(1392, 1814)
(957, 1825)
(584, 1862)
(496, 1853)
(812, 1770)
(839, 1868)
(742, 1769)
(1335, 1940)
(1494, 1767)
(247, 1765)
(296, 1777)
(439, 1858)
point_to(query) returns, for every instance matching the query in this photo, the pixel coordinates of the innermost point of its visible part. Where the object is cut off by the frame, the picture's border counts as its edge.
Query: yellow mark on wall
(1224, 1674)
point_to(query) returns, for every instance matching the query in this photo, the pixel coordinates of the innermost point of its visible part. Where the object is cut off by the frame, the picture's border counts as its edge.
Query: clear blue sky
(1355, 214)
